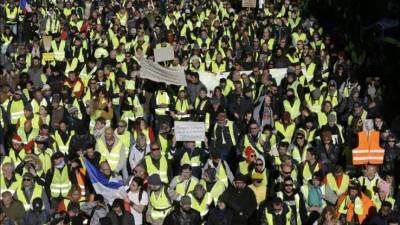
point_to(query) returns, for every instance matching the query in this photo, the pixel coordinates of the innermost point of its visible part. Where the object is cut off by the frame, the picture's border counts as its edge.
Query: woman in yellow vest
(218, 65)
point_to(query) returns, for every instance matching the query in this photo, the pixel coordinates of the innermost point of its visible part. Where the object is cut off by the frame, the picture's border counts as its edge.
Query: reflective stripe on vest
(368, 150)
(16, 110)
(60, 183)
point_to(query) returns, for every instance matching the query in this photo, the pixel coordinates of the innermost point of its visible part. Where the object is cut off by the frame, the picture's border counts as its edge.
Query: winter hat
(240, 177)
(17, 139)
(154, 179)
(248, 151)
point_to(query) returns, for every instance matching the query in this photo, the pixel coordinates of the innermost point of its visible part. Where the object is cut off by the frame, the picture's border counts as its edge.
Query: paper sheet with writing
(189, 131)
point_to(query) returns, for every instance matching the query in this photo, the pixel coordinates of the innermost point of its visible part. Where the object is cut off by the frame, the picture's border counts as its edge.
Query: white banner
(155, 72)
(211, 80)
(189, 131)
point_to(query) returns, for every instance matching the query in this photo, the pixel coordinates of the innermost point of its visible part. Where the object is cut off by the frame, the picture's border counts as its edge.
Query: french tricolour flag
(109, 188)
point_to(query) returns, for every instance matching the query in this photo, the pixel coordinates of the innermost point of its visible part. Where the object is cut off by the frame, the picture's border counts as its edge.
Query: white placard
(163, 54)
(189, 131)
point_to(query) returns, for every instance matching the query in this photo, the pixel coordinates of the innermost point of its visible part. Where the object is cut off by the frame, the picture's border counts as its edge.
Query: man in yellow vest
(189, 154)
(156, 163)
(160, 200)
(337, 183)
(29, 190)
(124, 135)
(276, 212)
(58, 178)
(113, 151)
(223, 171)
(224, 136)
(184, 183)
(62, 137)
(15, 108)
(162, 103)
(212, 185)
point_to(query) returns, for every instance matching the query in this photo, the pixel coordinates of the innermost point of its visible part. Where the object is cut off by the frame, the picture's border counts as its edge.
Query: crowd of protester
(276, 152)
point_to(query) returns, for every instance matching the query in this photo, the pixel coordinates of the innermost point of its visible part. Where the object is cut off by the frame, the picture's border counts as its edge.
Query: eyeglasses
(259, 164)
(392, 141)
(252, 156)
(25, 179)
(300, 137)
(155, 149)
(288, 185)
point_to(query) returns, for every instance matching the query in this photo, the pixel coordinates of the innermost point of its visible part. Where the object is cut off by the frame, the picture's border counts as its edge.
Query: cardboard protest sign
(249, 3)
(48, 56)
(189, 131)
(163, 54)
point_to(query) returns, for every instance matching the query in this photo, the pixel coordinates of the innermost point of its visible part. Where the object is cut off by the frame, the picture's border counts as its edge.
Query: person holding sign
(189, 154)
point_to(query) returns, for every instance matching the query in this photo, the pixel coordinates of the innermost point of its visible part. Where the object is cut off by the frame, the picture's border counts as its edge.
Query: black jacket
(220, 217)
(126, 219)
(242, 203)
(177, 217)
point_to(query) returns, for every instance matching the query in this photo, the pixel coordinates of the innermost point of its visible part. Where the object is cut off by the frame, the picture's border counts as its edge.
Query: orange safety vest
(368, 150)
(366, 202)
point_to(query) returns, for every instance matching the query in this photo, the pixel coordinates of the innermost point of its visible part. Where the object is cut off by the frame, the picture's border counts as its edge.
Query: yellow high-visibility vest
(152, 169)
(16, 110)
(60, 183)
(162, 98)
(331, 182)
(293, 110)
(160, 204)
(286, 132)
(58, 51)
(113, 156)
(63, 147)
(13, 186)
(186, 186)
(202, 206)
(37, 193)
